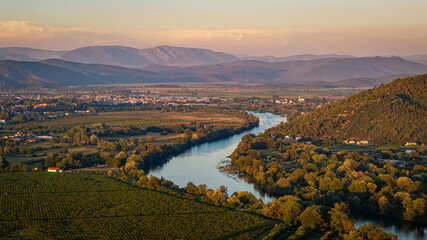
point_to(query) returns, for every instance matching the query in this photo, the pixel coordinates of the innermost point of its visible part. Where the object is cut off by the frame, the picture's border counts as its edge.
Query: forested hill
(391, 113)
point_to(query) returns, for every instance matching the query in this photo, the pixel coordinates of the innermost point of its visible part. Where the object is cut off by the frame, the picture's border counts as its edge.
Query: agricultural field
(87, 206)
(153, 127)
(142, 118)
(351, 148)
(224, 89)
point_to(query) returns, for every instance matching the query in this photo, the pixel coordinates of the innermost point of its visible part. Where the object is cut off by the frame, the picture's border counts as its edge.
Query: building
(2, 121)
(363, 142)
(53, 169)
(411, 144)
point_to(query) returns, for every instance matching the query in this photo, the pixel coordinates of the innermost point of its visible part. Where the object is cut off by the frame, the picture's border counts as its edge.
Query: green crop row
(83, 206)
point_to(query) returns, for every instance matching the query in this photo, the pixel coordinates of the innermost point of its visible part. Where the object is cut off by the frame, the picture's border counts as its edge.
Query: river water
(201, 163)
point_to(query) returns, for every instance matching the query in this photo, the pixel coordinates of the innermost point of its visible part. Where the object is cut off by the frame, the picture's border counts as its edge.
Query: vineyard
(83, 206)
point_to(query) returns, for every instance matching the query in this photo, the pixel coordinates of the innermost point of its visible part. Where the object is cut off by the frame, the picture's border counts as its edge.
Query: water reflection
(402, 229)
(200, 163)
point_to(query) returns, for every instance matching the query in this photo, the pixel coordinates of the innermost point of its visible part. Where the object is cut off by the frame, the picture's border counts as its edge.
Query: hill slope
(330, 70)
(57, 73)
(326, 70)
(16, 74)
(27, 54)
(391, 113)
(417, 58)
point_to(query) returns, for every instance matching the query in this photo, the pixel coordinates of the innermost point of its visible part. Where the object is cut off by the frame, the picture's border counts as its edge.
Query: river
(201, 163)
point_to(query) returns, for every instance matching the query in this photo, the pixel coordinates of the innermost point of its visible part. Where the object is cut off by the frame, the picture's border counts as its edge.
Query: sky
(246, 27)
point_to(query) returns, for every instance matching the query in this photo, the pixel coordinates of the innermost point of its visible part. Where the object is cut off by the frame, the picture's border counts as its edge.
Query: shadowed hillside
(391, 113)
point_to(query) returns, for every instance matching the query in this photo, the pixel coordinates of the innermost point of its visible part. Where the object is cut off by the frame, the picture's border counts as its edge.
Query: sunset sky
(251, 27)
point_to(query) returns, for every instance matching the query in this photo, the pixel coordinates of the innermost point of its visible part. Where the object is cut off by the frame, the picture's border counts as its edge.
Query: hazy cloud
(277, 42)
(32, 34)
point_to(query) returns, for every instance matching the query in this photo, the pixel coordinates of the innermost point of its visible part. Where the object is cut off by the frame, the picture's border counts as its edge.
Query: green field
(84, 206)
(142, 118)
(351, 148)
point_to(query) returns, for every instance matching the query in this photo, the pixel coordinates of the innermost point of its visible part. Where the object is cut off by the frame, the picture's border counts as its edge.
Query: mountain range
(121, 65)
(326, 70)
(122, 56)
(162, 55)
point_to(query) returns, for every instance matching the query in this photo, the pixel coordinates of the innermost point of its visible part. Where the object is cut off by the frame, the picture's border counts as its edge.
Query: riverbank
(199, 164)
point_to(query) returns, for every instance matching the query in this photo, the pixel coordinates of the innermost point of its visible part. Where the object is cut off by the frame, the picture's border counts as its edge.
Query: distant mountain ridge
(299, 57)
(330, 70)
(327, 73)
(122, 56)
(132, 57)
(300, 72)
(417, 58)
(28, 54)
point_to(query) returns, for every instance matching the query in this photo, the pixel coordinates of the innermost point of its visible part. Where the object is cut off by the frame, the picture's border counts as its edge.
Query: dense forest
(393, 113)
(347, 182)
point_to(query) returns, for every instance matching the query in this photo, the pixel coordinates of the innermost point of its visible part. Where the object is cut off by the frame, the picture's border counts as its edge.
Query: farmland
(156, 127)
(141, 118)
(87, 206)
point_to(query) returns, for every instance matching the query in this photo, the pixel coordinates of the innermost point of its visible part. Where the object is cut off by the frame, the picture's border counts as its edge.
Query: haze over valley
(165, 64)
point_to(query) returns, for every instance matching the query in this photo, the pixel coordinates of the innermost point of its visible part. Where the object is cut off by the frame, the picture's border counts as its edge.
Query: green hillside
(391, 113)
(85, 206)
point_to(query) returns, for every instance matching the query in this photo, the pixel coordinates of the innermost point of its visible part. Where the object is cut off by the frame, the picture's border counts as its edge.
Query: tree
(291, 210)
(413, 154)
(3, 163)
(406, 184)
(122, 144)
(153, 182)
(93, 139)
(369, 231)
(311, 217)
(339, 218)
(383, 204)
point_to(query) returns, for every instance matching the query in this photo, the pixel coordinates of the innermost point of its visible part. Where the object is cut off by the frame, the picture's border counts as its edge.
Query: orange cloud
(32, 34)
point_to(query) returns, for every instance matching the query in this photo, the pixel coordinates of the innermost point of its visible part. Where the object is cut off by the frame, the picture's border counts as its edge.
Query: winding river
(201, 163)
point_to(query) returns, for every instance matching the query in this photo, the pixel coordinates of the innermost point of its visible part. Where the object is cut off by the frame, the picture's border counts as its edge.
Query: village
(50, 105)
